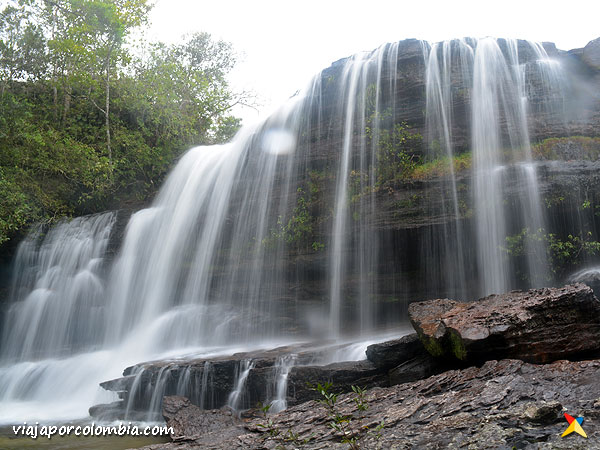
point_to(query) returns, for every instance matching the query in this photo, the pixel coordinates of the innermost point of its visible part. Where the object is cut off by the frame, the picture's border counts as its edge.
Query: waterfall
(291, 230)
(492, 74)
(281, 371)
(236, 398)
(207, 400)
(57, 291)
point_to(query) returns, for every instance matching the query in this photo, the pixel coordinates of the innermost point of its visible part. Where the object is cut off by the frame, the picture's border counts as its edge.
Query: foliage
(299, 228)
(566, 148)
(440, 167)
(275, 433)
(87, 124)
(344, 424)
(396, 148)
(562, 253)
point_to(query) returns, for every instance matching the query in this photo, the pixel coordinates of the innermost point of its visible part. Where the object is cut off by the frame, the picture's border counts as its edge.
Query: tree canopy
(88, 121)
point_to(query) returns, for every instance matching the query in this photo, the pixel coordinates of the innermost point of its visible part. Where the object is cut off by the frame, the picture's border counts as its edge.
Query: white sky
(282, 44)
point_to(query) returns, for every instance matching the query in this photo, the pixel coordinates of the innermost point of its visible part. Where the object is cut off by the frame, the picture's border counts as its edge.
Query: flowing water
(277, 236)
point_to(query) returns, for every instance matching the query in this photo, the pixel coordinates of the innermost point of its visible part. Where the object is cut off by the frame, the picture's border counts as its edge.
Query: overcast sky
(282, 44)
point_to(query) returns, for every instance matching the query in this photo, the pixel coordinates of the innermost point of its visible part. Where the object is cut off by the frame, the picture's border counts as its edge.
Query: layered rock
(207, 427)
(503, 404)
(209, 382)
(539, 325)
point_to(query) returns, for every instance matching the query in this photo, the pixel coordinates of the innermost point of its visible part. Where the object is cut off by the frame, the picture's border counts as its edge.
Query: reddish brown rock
(540, 325)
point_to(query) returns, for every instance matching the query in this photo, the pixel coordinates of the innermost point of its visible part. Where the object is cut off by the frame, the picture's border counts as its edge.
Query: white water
(235, 400)
(497, 81)
(205, 270)
(281, 371)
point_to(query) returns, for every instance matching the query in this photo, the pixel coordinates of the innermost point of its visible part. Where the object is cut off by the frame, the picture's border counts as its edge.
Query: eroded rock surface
(389, 354)
(504, 404)
(540, 325)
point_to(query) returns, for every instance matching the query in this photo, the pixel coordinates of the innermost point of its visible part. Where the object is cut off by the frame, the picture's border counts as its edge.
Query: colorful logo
(574, 425)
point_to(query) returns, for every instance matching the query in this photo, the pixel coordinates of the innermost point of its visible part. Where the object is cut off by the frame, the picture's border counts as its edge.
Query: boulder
(540, 325)
(107, 411)
(202, 427)
(391, 353)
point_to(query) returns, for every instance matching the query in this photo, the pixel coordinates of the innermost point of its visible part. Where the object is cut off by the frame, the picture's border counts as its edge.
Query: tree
(101, 27)
(22, 47)
(65, 68)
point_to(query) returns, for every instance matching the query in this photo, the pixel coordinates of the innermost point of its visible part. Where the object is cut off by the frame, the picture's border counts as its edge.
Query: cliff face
(406, 223)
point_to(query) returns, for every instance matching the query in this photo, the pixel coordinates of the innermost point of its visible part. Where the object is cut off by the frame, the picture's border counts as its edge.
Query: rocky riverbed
(430, 399)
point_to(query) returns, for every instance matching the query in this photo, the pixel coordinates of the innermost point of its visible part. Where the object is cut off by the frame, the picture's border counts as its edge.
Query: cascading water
(496, 81)
(281, 372)
(235, 400)
(287, 232)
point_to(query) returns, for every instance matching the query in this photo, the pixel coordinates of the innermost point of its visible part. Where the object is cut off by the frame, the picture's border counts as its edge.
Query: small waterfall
(135, 392)
(236, 398)
(207, 398)
(281, 371)
(184, 383)
(159, 391)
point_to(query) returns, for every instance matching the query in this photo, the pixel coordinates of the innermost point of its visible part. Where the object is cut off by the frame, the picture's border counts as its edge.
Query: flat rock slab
(392, 353)
(540, 325)
(502, 405)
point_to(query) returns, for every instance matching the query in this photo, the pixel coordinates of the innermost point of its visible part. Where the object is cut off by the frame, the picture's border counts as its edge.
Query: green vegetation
(300, 230)
(441, 166)
(347, 426)
(87, 120)
(275, 433)
(397, 148)
(563, 254)
(567, 148)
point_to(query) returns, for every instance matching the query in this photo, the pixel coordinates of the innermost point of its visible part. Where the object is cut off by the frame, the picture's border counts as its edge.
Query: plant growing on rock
(275, 433)
(344, 424)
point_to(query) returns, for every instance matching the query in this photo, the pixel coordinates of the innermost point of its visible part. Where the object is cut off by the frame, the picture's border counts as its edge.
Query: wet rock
(107, 411)
(544, 413)
(417, 368)
(303, 379)
(144, 385)
(391, 353)
(192, 423)
(477, 407)
(540, 325)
